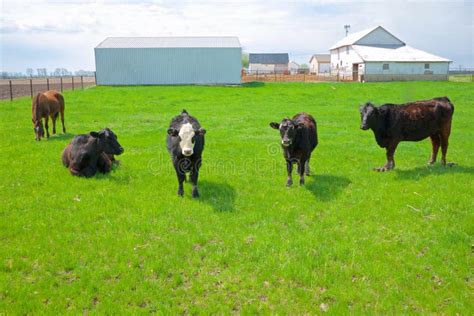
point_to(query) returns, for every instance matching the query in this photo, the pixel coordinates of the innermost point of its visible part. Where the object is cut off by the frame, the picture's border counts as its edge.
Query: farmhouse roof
(397, 54)
(321, 58)
(353, 38)
(170, 42)
(279, 58)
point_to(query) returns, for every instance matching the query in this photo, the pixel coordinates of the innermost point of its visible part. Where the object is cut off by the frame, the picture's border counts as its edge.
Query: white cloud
(63, 33)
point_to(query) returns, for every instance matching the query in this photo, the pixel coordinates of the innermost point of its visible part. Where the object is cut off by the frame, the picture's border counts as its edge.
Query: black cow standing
(185, 143)
(88, 153)
(413, 121)
(299, 137)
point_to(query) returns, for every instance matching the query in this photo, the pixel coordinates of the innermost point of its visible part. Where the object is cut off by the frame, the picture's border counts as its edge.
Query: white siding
(347, 60)
(379, 37)
(268, 68)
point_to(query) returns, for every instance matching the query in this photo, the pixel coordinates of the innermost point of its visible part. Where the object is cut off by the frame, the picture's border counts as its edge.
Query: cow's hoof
(307, 173)
(180, 193)
(301, 183)
(450, 164)
(289, 183)
(195, 194)
(430, 163)
(382, 169)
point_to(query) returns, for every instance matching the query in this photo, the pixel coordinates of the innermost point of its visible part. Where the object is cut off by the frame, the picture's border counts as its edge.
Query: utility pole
(347, 27)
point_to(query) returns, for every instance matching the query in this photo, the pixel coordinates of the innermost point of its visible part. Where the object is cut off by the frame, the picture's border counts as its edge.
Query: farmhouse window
(341, 62)
(385, 67)
(347, 50)
(338, 54)
(427, 66)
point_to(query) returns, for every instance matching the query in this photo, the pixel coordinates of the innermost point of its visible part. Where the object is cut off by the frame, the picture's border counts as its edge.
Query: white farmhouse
(293, 67)
(377, 55)
(320, 63)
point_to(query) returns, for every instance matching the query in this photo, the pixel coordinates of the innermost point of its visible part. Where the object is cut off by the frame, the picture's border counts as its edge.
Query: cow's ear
(103, 134)
(200, 131)
(298, 124)
(173, 132)
(94, 134)
(275, 125)
(361, 109)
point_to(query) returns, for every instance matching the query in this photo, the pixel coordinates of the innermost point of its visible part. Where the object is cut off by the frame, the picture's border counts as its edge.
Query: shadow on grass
(423, 171)
(220, 196)
(326, 187)
(60, 136)
(253, 84)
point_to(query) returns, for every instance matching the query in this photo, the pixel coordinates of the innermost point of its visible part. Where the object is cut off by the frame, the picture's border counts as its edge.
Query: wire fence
(15, 88)
(288, 77)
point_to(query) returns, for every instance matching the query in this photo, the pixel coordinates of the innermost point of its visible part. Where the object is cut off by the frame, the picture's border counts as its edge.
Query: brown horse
(49, 103)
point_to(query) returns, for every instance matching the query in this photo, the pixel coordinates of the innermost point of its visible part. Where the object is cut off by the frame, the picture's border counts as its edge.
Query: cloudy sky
(63, 33)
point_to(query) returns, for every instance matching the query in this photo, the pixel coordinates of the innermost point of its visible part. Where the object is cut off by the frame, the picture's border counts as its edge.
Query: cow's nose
(121, 150)
(187, 152)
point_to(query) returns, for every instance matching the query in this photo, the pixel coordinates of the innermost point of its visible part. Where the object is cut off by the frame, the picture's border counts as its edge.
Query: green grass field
(351, 241)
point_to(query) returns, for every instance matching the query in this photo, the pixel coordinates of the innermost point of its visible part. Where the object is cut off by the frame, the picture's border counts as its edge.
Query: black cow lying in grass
(88, 153)
(185, 143)
(299, 137)
(413, 121)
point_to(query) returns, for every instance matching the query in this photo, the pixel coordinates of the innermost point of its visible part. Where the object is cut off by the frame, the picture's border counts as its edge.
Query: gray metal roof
(169, 42)
(269, 58)
(322, 58)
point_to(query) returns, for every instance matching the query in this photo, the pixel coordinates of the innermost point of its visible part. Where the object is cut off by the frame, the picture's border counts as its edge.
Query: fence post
(257, 75)
(95, 77)
(275, 76)
(82, 83)
(72, 83)
(11, 91)
(61, 84)
(47, 83)
(31, 88)
(304, 76)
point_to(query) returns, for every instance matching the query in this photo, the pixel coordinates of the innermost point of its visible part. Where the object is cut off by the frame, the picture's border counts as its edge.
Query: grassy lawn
(350, 241)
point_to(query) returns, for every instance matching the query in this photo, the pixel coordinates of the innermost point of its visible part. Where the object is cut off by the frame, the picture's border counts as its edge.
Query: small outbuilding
(168, 61)
(293, 67)
(268, 63)
(377, 55)
(320, 63)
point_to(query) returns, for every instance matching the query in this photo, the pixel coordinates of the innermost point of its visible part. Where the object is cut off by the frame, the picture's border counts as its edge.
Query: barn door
(355, 72)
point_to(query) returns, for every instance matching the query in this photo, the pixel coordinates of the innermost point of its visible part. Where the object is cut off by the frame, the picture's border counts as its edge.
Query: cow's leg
(62, 121)
(306, 167)
(194, 174)
(444, 136)
(289, 169)
(180, 174)
(46, 125)
(302, 164)
(104, 165)
(390, 157)
(435, 142)
(54, 118)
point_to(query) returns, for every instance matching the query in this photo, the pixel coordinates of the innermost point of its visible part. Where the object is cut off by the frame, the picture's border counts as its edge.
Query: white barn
(268, 63)
(377, 55)
(168, 61)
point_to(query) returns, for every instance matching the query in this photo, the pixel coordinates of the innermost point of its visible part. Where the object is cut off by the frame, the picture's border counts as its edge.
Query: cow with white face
(185, 143)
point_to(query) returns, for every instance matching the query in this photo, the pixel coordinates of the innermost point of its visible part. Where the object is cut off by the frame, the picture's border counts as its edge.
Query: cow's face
(187, 137)
(287, 129)
(108, 141)
(38, 129)
(368, 114)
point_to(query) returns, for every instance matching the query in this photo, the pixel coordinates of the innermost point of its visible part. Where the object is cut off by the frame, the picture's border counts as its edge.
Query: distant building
(293, 67)
(268, 63)
(377, 55)
(168, 61)
(320, 63)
